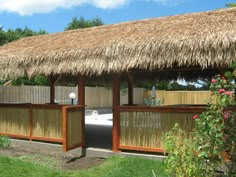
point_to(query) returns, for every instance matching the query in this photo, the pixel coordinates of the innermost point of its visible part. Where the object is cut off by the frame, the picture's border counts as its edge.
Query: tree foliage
(15, 34)
(18, 33)
(37, 80)
(82, 23)
(231, 5)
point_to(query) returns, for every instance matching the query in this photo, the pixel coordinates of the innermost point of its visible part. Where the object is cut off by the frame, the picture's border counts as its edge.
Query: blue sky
(54, 15)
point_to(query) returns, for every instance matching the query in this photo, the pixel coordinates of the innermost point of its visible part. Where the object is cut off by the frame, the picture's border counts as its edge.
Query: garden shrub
(4, 142)
(182, 160)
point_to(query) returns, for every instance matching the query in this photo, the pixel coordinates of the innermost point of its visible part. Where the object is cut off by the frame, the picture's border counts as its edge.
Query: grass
(112, 167)
(10, 167)
(40, 160)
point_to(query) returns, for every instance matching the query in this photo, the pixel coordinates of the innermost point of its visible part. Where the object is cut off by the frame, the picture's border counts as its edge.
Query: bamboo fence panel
(74, 128)
(145, 129)
(15, 121)
(47, 123)
(95, 97)
(180, 97)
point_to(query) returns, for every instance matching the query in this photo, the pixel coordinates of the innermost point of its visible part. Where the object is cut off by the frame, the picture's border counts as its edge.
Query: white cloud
(29, 7)
(168, 2)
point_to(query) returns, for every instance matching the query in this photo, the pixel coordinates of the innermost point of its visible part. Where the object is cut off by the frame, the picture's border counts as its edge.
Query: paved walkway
(98, 136)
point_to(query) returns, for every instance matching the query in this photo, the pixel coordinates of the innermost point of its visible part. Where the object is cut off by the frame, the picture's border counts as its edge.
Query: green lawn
(112, 167)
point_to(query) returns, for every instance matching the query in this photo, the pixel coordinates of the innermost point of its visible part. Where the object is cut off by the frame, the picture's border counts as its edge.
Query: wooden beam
(8, 83)
(144, 149)
(31, 122)
(81, 90)
(130, 89)
(53, 81)
(116, 120)
(52, 94)
(64, 129)
(81, 101)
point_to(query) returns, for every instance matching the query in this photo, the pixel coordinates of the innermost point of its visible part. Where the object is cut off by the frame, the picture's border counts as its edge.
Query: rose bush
(214, 135)
(212, 128)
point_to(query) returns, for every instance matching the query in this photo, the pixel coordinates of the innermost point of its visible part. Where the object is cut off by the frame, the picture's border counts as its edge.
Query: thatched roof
(205, 40)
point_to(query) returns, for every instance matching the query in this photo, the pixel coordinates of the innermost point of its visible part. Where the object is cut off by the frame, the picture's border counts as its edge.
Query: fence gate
(73, 127)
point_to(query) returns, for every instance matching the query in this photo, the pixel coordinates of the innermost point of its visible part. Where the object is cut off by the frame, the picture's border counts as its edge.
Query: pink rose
(227, 115)
(195, 116)
(228, 93)
(213, 81)
(221, 90)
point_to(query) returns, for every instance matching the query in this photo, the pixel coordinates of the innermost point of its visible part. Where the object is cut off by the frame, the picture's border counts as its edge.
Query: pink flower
(195, 116)
(213, 81)
(227, 115)
(221, 90)
(223, 77)
(228, 93)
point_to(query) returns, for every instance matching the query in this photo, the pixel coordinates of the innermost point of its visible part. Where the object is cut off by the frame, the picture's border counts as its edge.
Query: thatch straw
(206, 39)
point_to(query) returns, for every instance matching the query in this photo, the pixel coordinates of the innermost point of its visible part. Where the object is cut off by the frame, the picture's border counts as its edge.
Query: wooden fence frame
(65, 111)
(161, 109)
(63, 118)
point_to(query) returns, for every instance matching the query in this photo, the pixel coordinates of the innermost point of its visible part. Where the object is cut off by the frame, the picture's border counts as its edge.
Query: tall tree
(12, 35)
(3, 37)
(82, 23)
(18, 33)
(36, 80)
(231, 5)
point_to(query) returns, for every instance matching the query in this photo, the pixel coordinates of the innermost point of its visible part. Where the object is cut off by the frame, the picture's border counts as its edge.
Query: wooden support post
(64, 130)
(81, 90)
(116, 116)
(53, 81)
(81, 101)
(31, 122)
(130, 90)
(52, 94)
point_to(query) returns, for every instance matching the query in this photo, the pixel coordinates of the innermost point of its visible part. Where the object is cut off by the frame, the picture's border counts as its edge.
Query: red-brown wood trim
(144, 149)
(31, 122)
(116, 120)
(81, 102)
(47, 106)
(81, 90)
(83, 127)
(52, 82)
(130, 89)
(57, 79)
(73, 147)
(15, 135)
(52, 94)
(74, 108)
(169, 109)
(64, 128)
(33, 137)
(56, 140)
(14, 105)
